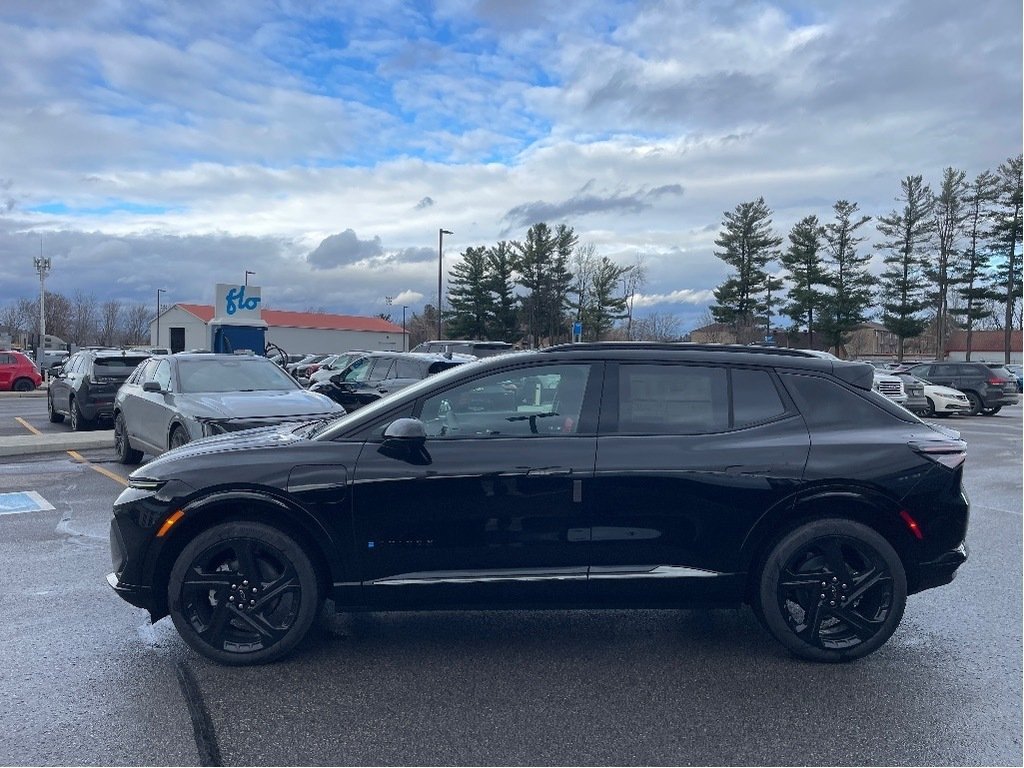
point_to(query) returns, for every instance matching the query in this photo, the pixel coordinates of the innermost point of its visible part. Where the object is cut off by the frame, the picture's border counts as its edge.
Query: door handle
(549, 472)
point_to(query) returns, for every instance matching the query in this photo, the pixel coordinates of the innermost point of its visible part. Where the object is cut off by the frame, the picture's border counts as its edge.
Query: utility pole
(42, 267)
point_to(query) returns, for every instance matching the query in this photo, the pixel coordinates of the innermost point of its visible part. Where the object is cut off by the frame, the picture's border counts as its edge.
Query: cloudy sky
(149, 144)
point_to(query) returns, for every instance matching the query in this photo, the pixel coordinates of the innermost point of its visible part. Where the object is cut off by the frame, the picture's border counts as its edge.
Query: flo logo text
(236, 300)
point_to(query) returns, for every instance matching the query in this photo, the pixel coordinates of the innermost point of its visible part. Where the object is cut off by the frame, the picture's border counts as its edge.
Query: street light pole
(405, 339)
(440, 251)
(158, 292)
(247, 273)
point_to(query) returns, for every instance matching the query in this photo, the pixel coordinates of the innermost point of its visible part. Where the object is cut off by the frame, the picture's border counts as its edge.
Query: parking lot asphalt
(25, 428)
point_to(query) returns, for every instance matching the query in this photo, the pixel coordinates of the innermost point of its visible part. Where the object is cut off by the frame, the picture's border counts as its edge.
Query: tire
(52, 415)
(991, 411)
(865, 591)
(178, 438)
(976, 404)
(125, 453)
(232, 561)
(24, 385)
(931, 408)
(78, 421)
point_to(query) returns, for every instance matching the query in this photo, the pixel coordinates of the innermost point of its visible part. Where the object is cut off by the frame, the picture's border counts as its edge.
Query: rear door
(689, 457)
(7, 362)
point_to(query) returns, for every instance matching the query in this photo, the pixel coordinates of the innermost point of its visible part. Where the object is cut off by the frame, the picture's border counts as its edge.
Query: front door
(491, 509)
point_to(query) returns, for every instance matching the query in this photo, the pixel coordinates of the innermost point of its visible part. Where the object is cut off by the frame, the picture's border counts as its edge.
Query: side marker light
(911, 524)
(168, 523)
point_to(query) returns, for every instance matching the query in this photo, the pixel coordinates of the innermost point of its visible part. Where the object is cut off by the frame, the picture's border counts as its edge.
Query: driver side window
(528, 402)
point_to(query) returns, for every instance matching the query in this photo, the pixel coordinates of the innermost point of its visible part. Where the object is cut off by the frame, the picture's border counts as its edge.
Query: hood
(268, 404)
(943, 391)
(231, 442)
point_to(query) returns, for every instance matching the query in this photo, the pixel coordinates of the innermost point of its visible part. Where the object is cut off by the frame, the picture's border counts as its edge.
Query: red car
(18, 372)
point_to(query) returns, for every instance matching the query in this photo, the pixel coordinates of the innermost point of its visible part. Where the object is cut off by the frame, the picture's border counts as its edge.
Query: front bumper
(134, 594)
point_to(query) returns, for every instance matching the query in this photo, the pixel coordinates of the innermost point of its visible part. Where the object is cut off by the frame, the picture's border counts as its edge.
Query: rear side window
(754, 397)
(407, 369)
(672, 399)
(6, 359)
(826, 404)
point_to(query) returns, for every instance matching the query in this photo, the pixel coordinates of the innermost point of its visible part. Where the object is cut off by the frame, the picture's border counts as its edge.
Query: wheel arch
(861, 505)
(249, 506)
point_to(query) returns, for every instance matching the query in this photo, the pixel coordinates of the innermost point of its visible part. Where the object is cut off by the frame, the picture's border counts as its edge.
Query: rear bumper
(941, 570)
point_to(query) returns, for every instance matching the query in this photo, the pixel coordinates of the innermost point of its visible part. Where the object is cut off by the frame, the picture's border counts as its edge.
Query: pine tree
(503, 325)
(907, 234)
(972, 288)
(471, 305)
(606, 302)
(803, 260)
(849, 285)
(747, 244)
(542, 264)
(950, 216)
(1006, 237)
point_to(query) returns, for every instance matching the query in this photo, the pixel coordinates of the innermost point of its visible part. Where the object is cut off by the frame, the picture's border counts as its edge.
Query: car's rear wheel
(179, 437)
(78, 421)
(52, 415)
(832, 590)
(125, 453)
(991, 411)
(243, 593)
(976, 405)
(24, 385)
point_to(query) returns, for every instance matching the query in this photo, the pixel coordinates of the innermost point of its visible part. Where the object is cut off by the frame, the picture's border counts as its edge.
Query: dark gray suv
(83, 389)
(988, 389)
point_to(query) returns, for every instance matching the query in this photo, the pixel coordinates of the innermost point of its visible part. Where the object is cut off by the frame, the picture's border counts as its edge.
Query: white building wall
(291, 340)
(318, 340)
(197, 334)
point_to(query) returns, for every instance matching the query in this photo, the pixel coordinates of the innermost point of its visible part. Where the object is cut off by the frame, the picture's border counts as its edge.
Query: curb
(25, 445)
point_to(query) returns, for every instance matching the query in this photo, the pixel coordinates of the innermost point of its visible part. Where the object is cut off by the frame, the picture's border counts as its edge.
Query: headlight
(211, 427)
(145, 483)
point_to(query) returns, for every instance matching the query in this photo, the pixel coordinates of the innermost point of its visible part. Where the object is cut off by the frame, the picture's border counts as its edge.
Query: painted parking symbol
(23, 501)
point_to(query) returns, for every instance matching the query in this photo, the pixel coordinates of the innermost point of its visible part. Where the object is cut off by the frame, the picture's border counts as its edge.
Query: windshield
(241, 374)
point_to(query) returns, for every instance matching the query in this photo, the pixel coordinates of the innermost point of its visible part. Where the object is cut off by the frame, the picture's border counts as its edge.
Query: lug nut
(254, 590)
(822, 595)
(231, 599)
(832, 603)
(246, 583)
(252, 602)
(835, 579)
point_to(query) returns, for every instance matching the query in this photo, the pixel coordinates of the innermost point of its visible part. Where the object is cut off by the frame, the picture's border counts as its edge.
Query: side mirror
(406, 431)
(151, 386)
(406, 440)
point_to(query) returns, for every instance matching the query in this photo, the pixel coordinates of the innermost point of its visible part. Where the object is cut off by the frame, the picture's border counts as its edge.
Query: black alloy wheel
(24, 385)
(243, 593)
(179, 437)
(832, 590)
(125, 453)
(976, 405)
(52, 415)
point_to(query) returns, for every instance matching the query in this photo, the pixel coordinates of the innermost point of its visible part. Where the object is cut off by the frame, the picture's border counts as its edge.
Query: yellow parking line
(27, 426)
(105, 472)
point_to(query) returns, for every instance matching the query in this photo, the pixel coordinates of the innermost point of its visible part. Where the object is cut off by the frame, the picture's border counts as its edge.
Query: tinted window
(826, 404)
(116, 366)
(381, 368)
(6, 359)
(535, 401)
(407, 369)
(945, 370)
(359, 370)
(672, 399)
(754, 397)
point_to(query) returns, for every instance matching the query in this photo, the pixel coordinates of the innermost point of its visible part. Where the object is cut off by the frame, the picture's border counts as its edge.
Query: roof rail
(688, 346)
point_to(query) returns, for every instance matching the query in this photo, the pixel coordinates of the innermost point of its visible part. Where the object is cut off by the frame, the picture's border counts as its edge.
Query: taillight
(997, 382)
(950, 453)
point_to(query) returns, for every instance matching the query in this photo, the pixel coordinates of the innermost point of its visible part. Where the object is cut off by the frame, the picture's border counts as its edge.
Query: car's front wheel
(179, 437)
(125, 453)
(243, 593)
(24, 385)
(832, 590)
